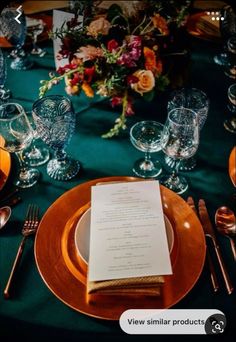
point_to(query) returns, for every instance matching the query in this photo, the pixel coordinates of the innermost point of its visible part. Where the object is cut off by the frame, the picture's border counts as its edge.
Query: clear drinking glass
(36, 154)
(196, 100)
(230, 67)
(15, 33)
(55, 119)
(34, 28)
(179, 140)
(227, 30)
(4, 92)
(17, 134)
(145, 136)
(230, 124)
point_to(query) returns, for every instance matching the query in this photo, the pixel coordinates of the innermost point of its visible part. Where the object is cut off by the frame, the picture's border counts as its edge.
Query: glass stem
(23, 167)
(175, 171)
(60, 155)
(147, 157)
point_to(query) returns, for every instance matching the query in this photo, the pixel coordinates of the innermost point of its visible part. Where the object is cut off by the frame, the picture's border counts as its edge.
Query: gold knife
(209, 231)
(214, 279)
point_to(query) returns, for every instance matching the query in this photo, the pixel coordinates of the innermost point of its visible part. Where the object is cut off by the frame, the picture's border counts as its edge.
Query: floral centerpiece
(117, 55)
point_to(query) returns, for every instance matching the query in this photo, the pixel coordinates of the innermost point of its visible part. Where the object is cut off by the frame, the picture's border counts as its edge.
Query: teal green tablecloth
(34, 312)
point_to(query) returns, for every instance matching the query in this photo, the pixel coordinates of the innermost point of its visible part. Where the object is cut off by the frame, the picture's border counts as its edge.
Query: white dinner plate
(82, 235)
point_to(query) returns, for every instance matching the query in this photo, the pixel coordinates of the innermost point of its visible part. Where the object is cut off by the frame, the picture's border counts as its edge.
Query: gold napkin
(150, 285)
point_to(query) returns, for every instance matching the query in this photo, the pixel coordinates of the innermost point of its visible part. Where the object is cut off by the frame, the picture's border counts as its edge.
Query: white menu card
(127, 232)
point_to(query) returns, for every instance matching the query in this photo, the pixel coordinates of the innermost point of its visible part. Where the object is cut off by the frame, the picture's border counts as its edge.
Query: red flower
(132, 79)
(112, 45)
(116, 100)
(89, 73)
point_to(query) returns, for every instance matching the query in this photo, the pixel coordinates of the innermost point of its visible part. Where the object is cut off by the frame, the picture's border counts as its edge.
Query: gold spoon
(5, 213)
(225, 221)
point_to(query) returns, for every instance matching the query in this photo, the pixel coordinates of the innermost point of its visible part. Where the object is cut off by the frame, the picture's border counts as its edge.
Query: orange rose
(161, 24)
(146, 81)
(100, 25)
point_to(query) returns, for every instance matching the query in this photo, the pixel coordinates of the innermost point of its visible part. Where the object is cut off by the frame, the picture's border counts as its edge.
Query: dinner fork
(30, 226)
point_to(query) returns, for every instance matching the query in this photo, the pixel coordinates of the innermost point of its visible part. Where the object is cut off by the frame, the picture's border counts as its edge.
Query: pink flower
(116, 100)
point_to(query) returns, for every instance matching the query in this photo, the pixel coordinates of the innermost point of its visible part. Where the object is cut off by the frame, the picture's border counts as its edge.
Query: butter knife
(209, 231)
(214, 279)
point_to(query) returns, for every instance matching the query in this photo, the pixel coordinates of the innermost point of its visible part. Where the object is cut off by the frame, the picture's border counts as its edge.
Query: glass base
(147, 169)
(27, 178)
(185, 165)
(5, 94)
(231, 73)
(63, 170)
(221, 59)
(230, 125)
(36, 156)
(22, 63)
(178, 184)
(38, 52)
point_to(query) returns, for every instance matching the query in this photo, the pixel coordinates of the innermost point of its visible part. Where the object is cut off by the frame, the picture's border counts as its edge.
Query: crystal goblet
(196, 100)
(145, 136)
(15, 32)
(17, 134)
(4, 92)
(179, 140)
(230, 124)
(54, 118)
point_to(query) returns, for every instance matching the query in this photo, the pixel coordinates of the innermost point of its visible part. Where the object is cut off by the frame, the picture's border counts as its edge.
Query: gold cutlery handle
(14, 267)
(213, 276)
(233, 247)
(225, 275)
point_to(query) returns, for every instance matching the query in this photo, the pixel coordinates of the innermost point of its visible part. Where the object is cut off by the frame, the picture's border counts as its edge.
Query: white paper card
(59, 17)
(127, 233)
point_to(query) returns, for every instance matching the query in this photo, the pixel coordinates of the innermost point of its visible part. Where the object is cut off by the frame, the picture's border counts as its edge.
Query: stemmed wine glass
(34, 28)
(230, 124)
(36, 154)
(179, 140)
(54, 118)
(230, 67)
(145, 136)
(15, 33)
(196, 100)
(4, 92)
(17, 134)
(228, 30)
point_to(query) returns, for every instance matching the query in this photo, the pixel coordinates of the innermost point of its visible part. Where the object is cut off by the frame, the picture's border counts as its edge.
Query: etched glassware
(145, 136)
(15, 32)
(179, 141)
(4, 92)
(230, 124)
(17, 135)
(196, 100)
(34, 28)
(55, 121)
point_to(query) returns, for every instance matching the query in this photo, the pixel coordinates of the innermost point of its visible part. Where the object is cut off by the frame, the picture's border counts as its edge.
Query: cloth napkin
(150, 285)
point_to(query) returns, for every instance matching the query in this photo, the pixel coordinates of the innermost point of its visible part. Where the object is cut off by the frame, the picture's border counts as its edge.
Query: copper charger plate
(5, 164)
(60, 268)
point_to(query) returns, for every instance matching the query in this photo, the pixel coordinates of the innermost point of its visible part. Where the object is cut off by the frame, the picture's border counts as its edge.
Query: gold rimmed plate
(62, 271)
(5, 164)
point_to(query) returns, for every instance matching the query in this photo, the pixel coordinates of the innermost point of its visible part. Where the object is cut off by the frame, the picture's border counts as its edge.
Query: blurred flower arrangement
(117, 55)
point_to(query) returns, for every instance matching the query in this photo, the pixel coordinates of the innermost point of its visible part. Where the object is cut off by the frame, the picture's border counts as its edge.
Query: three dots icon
(215, 16)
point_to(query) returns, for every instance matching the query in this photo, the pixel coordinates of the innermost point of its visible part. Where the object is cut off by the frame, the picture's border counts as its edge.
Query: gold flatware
(209, 231)
(214, 279)
(30, 226)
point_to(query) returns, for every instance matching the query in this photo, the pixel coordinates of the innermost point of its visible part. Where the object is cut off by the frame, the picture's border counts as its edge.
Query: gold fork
(30, 226)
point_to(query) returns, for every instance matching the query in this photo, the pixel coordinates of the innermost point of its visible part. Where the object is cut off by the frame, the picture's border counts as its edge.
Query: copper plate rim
(5, 164)
(195, 249)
